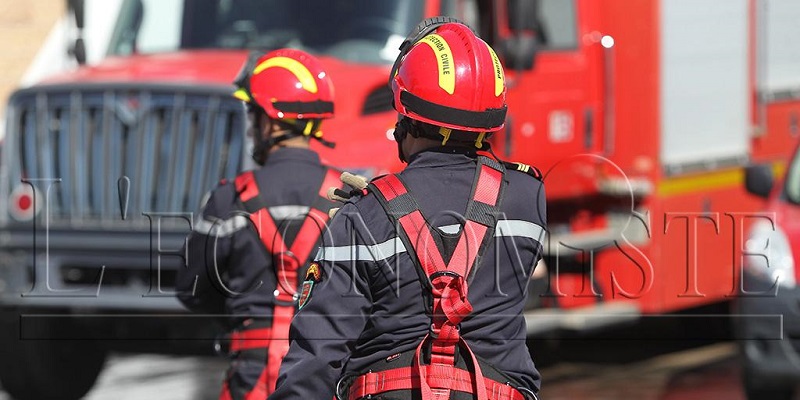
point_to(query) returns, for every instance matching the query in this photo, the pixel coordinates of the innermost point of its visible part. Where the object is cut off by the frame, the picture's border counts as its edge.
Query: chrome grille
(161, 148)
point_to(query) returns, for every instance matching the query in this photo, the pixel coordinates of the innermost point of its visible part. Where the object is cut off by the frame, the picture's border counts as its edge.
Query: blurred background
(24, 27)
(666, 130)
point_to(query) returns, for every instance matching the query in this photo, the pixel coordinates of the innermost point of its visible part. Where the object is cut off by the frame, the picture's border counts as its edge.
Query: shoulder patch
(524, 168)
(305, 294)
(313, 276)
(314, 272)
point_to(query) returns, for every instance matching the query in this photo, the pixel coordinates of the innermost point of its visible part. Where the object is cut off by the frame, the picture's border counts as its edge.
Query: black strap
(487, 119)
(304, 107)
(485, 214)
(399, 207)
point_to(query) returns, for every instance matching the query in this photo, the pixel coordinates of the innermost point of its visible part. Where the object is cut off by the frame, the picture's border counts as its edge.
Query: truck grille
(378, 101)
(158, 149)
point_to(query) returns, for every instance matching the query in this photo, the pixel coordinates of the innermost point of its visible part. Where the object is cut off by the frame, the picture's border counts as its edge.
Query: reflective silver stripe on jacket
(394, 246)
(218, 227)
(283, 213)
(362, 252)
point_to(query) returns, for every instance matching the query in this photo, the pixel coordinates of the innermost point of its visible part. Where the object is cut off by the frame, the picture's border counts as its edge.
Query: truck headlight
(769, 255)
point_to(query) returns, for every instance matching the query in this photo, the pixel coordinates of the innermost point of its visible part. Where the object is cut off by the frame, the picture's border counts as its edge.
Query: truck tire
(758, 391)
(47, 369)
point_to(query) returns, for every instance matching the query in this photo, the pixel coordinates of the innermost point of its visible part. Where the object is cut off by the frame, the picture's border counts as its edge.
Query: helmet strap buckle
(479, 140)
(445, 132)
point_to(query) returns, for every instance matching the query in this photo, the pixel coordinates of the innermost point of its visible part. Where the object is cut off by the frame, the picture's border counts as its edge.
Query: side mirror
(78, 49)
(519, 50)
(76, 6)
(523, 15)
(758, 179)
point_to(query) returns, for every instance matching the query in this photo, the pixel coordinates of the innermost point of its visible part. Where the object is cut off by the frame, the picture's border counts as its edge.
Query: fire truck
(641, 114)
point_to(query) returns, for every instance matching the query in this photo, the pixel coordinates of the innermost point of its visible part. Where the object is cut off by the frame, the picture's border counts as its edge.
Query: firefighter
(255, 234)
(384, 310)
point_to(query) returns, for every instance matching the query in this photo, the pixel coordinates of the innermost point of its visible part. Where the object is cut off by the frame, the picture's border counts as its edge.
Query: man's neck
(299, 142)
(414, 145)
(419, 145)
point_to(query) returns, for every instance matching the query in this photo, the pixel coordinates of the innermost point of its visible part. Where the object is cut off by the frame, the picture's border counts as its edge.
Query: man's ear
(265, 126)
(413, 127)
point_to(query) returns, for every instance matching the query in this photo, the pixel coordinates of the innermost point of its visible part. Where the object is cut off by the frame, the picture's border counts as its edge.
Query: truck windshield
(366, 31)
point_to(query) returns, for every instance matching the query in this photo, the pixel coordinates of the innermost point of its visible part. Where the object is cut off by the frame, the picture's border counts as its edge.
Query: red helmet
(447, 76)
(289, 84)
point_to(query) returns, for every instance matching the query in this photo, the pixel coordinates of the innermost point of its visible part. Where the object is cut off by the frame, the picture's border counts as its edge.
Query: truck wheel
(757, 391)
(47, 369)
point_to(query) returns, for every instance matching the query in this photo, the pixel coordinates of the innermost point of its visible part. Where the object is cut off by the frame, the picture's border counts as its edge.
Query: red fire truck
(641, 113)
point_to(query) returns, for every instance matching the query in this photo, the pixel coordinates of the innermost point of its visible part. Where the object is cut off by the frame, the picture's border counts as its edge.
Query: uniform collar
(284, 154)
(442, 156)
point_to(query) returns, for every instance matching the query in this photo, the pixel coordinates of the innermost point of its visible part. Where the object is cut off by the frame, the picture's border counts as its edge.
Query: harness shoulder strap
(446, 281)
(248, 193)
(480, 219)
(287, 262)
(316, 219)
(252, 200)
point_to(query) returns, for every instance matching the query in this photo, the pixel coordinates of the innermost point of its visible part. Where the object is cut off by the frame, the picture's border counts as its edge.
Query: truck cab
(767, 313)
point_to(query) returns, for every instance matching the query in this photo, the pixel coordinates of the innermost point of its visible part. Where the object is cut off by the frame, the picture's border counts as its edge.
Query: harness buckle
(527, 393)
(444, 273)
(285, 299)
(342, 390)
(434, 333)
(220, 349)
(338, 391)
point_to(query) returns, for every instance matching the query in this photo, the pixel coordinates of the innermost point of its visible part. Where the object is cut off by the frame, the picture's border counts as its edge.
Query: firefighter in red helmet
(419, 286)
(255, 233)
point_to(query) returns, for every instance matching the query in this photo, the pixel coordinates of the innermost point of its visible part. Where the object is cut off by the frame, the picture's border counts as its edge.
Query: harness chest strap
(288, 260)
(446, 281)
(406, 378)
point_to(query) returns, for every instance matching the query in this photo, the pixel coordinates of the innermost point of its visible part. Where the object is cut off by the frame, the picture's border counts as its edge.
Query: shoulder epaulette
(524, 168)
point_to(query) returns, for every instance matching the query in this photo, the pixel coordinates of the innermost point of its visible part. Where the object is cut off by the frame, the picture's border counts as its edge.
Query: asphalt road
(137, 377)
(706, 372)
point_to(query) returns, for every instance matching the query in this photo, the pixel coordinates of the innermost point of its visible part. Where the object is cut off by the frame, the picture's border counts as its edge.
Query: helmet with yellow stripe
(291, 87)
(448, 77)
(289, 83)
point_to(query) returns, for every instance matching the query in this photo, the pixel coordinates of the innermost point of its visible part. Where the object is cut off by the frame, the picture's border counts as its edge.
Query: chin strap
(405, 126)
(401, 130)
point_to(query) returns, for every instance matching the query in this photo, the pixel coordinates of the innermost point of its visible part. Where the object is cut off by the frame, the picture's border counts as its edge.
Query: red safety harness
(288, 259)
(447, 283)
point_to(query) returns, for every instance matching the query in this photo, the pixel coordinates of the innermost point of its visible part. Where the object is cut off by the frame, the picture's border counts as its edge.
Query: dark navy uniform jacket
(225, 243)
(369, 303)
